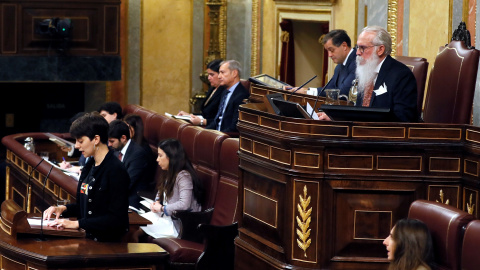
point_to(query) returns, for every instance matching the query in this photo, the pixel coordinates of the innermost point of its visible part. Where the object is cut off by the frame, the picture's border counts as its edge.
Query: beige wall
(166, 55)
(429, 23)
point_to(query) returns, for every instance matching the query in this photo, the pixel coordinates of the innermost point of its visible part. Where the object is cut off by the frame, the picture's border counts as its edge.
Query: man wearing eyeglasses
(383, 82)
(339, 47)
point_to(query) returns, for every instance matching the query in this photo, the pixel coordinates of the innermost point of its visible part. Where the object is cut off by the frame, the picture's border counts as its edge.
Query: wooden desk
(317, 194)
(57, 253)
(60, 253)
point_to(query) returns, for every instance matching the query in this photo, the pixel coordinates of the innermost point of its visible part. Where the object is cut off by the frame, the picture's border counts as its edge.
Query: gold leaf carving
(303, 221)
(470, 206)
(442, 197)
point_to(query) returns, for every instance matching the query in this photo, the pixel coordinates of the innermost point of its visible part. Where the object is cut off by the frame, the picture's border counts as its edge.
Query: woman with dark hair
(409, 246)
(135, 124)
(212, 100)
(178, 189)
(101, 207)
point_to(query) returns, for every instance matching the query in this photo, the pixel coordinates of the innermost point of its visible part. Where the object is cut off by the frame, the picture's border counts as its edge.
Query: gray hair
(382, 37)
(233, 65)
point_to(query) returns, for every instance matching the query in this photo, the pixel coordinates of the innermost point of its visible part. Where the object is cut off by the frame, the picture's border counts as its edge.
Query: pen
(63, 159)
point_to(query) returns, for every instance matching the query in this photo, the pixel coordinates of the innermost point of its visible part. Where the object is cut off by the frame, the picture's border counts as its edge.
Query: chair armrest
(219, 249)
(189, 223)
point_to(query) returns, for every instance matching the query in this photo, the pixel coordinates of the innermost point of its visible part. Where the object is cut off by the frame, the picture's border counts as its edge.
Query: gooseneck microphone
(29, 188)
(318, 95)
(42, 238)
(289, 96)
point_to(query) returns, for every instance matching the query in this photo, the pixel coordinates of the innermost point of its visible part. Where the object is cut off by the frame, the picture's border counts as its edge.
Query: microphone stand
(301, 87)
(29, 187)
(318, 95)
(42, 238)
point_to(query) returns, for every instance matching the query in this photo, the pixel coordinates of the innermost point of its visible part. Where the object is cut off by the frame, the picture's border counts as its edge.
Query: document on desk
(37, 221)
(311, 112)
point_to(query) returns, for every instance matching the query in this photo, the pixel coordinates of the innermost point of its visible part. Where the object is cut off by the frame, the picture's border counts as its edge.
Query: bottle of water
(352, 94)
(29, 144)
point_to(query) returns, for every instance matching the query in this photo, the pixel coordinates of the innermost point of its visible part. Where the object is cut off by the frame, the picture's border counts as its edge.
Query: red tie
(120, 155)
(367, 95)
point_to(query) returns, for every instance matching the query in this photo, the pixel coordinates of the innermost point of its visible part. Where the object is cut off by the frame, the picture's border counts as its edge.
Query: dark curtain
(287, 60)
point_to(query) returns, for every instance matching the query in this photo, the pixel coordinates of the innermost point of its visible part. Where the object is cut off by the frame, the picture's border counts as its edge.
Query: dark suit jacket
(230, 116)
(343, 76)
(105, 215)
(138, 165)
(209, 111)
(401, 95)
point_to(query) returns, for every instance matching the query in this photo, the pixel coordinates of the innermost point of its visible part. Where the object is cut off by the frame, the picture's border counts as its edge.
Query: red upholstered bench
(217, 249)
(471, 246)
(446, 224)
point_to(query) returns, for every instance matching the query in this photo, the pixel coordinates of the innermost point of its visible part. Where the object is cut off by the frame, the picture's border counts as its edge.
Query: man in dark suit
(232, 97)
(339, 47)
(383, 82)
(137, 162)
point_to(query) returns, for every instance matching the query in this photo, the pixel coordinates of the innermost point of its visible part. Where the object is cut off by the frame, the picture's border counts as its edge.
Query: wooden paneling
(347, 185)
(95, 32)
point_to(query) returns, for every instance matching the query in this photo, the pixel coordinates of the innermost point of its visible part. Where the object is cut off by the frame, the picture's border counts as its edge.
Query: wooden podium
(19, 249)
(324, 195)
(15, 220)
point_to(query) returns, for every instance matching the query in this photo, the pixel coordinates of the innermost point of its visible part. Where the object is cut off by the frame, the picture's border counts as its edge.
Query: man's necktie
(367, 96)
(120, 155)
(220, 109)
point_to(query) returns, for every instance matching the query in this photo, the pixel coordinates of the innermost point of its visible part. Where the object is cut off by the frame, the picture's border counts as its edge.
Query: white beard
(365, 73)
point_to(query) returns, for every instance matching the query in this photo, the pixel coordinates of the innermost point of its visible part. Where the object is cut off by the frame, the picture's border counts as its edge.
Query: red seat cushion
(180, 250)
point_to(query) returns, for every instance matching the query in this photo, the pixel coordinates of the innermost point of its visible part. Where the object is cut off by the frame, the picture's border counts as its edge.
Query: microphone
(42, 238)
(318, 95)
(301, 87)
(29, 188)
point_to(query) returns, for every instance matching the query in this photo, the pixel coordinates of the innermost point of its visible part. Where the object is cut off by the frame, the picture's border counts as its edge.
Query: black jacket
(230, 116)
(401, 95)
(103, 214)
(209, 110)
(139, 167)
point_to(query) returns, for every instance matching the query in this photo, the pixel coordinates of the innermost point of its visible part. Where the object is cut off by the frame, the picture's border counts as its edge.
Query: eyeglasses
(363, 48)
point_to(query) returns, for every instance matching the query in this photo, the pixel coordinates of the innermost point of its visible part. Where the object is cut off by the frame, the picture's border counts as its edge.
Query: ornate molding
(303, 230)
(392, 24)
(254, 63)
(442, 198)
(218, 29)
(471, 206)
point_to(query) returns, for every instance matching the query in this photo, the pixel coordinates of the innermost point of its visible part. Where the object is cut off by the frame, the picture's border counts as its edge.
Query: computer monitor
(290, 109)
(358, 114)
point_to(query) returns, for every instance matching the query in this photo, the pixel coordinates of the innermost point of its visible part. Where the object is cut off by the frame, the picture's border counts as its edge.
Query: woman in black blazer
(211, 103)
(101, 206)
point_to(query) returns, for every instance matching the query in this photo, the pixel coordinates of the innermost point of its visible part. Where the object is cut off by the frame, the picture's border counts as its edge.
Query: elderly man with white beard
(383, 82)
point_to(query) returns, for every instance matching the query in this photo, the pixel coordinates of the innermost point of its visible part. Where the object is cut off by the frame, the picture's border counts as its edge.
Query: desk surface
(81, 252)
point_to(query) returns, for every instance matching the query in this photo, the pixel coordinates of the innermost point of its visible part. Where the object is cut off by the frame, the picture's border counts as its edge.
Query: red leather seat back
(419, 67)
(445, 223)
(152, 127)
(207, 156)
(172, 128)
(188, 138)
(451, 86)
(471, 246)
(225, 208)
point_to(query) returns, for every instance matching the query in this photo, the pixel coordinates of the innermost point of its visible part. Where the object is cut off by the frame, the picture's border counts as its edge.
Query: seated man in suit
(383, 82)
(137, 162)
(232, 97)
(110, 111)
(339, 47)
